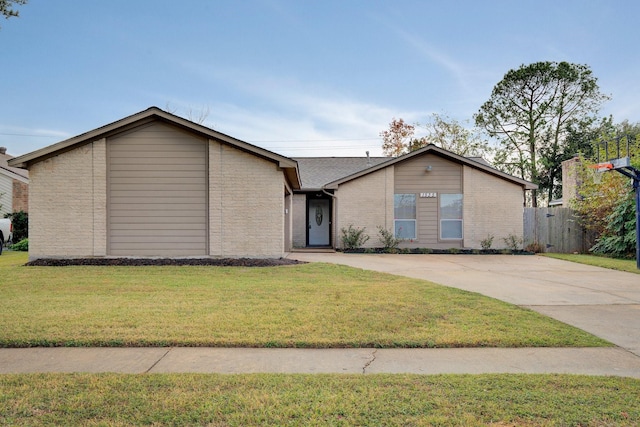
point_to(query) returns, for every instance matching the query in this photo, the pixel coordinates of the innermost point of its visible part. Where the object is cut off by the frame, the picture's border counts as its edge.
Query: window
(404, 208)
(451, 216)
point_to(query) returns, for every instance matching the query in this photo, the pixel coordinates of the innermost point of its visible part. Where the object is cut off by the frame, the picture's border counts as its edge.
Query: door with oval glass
(319, 222)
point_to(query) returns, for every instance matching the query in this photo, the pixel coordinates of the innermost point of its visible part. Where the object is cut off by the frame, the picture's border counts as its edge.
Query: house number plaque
(428, 195)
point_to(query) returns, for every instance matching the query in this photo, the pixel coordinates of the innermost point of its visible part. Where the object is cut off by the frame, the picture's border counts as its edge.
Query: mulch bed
(219, 262)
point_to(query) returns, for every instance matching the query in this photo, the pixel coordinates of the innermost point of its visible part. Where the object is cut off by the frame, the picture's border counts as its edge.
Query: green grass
(311, 305)
(628, 265)
(249, 400)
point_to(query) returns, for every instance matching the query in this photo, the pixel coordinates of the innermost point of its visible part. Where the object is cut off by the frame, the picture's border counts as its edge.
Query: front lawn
(628, 265)
(279, 400)
(312, 305)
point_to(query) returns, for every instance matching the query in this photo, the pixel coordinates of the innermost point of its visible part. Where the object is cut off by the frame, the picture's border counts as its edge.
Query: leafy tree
(530, 112)
(607, 205)
(598, 195)
(442, 131)
(7, 7)
(451, 135)
(399, 138)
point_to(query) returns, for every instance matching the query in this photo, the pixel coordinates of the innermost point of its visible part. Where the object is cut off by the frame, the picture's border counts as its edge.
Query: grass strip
(628, 265)
(311, 305)
(248, 400)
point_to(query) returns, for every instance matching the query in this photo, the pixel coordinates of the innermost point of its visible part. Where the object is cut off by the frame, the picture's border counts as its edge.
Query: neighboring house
(14, 186)
(154, 184)
(431, 198)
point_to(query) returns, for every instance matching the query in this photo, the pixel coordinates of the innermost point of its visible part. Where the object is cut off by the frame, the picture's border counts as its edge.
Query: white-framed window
(450, 216)
(404, 212)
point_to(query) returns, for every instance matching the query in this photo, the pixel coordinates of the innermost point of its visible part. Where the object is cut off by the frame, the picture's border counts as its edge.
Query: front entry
(319, 222)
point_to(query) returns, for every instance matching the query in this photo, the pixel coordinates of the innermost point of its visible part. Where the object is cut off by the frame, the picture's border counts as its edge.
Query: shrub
(353, 237)
(22, 245)
(487, 242)
(387, 239)
(535, 247)
(513, 242)
(454, 251)
(619, 236)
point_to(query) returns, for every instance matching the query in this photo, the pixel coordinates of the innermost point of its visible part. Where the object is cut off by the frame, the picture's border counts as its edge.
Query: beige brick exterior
(491, 205)
(300, 220)
(100, 198)
(20, 196)
(63, 192)
(246, 204)
(365, 202)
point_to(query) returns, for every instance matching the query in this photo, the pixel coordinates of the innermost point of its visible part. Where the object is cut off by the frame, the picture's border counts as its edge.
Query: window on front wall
(404, 208)
(450, 216)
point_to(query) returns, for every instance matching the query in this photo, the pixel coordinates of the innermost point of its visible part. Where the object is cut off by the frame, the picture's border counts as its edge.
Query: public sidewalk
(588, 361)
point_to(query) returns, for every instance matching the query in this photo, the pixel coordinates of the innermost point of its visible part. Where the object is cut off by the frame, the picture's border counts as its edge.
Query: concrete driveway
(603, 302)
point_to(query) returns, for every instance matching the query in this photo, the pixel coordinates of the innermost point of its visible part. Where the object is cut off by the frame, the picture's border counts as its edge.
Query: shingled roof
(315, 172)
(16, 173)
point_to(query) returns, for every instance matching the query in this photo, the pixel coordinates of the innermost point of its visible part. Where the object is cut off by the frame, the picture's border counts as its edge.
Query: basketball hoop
(597, 177)
(602, 167)
(599, 170)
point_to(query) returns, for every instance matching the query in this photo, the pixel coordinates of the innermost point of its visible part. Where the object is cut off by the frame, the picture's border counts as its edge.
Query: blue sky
(298, 77)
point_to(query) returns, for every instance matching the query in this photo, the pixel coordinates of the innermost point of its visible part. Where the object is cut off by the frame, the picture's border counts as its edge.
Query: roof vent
(3, 150)
(368, 159)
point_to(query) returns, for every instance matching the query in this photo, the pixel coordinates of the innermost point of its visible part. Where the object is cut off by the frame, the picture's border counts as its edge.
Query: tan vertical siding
(412, 177)
(157, 193)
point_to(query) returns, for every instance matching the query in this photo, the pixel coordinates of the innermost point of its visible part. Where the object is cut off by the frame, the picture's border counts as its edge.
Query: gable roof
(315, 172)
(471, 162)
(289, 166)
(13, 173)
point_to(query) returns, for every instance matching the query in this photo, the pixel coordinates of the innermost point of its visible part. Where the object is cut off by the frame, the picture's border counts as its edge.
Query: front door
(319, 222)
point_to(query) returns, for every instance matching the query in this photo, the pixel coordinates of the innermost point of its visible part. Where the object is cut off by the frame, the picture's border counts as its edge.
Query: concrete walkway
(588, 361)
(603, 302)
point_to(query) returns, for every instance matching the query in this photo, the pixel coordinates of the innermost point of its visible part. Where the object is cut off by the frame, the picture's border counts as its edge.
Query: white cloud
(295, 119)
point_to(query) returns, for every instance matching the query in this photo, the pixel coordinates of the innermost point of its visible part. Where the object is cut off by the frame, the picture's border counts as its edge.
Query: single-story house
(157, 185)
(431, 198)
(14, 186)
(154, 184)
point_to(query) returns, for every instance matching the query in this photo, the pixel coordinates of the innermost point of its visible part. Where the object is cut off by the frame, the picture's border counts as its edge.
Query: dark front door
(319, 222)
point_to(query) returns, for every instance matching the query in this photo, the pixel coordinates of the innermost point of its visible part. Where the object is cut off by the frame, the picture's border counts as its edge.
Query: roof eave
(431, 147)
(13, 175)
(25, 160)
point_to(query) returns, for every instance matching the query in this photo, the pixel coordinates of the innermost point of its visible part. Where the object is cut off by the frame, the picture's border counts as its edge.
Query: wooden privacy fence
(556, 230)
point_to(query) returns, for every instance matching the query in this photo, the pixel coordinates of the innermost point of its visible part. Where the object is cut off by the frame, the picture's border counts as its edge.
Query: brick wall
(61, 195)
(246, 204)
(299, 211)
(491, 205)
(366, 202)
(20, 196)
